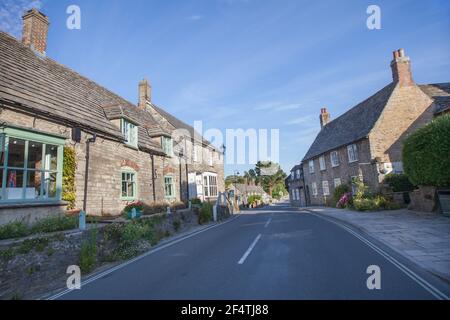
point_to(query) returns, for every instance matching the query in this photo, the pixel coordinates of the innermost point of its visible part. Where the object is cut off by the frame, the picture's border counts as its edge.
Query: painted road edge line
(126, 263)
(249, 250)
(411, 274)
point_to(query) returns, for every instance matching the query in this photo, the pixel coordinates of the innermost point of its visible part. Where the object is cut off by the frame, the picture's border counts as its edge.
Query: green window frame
(130, 131)
(167, 145)
(30, 166)
(169, 187)
(128, 185)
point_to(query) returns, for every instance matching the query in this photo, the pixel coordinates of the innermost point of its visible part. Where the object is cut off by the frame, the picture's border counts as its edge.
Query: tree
(270, 174)
(426, 154)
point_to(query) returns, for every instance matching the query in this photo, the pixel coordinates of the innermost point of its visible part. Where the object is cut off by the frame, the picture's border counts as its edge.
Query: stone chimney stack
(145, 93)
(324, 117)
(35, 30)
(401, 69)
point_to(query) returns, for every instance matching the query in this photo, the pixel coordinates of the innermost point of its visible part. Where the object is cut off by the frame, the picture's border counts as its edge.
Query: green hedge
(68, 185)
(426, 154)
(399, 182)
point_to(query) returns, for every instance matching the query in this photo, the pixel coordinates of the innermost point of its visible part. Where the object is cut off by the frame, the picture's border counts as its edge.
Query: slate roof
(147, 126)
(352, 126)
(178, 124)
(39, 85)
(440, 93)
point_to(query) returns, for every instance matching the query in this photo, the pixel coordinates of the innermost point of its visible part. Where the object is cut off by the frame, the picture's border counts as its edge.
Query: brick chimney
(324, 117)
(145, 93)
(401, 69)
(35, 30)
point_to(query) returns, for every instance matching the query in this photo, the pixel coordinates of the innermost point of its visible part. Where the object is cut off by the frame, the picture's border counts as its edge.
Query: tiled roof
(440, 93)
(39, 85)
(352, 126)
(178, 124)
(243, 188)
(147, 126)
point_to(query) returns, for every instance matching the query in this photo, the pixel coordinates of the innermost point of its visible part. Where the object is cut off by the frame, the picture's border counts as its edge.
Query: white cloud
(300, 120)
(11, 12)
(277, 106)
(194, 17)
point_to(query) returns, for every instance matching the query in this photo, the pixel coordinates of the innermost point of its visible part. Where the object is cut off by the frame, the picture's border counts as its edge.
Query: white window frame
(130, 132)
(325, 188)
(167, 145)
(311, 166)
(334, 159)
(352, 153)
(337, 182)
(172, 184)
(314, 189)
(322, 163)
(132, 180)
(210, 188)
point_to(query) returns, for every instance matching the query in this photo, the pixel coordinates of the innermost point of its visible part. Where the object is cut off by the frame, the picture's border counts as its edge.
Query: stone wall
(107, 160)
(344, 171)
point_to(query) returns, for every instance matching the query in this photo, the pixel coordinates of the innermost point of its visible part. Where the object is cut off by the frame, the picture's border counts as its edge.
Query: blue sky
(246, 63)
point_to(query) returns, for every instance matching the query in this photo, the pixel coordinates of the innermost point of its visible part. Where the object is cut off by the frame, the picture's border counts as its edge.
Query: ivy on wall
(69, 167)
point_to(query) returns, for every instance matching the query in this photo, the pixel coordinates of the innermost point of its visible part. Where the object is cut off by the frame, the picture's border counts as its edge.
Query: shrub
(339, 191)
(176, 225)
(155, 207)
(254, 198)
(68, 184)
(88, 252)
(426, 154)
(177, 205)
(196, 201)
(53, 224)
(205, 214)
(14, 229)
(399, 182)
(138, 205)
(345, 201)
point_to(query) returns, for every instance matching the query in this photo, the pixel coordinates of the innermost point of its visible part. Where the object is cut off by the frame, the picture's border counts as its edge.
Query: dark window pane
(51, 154)
(34, 155)
(14, 184)
(16, 154)
(124, 189)
(33, 188)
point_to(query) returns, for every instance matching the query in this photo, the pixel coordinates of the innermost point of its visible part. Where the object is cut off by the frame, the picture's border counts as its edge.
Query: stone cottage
(366, 141)
(46, 107)
(296, 187)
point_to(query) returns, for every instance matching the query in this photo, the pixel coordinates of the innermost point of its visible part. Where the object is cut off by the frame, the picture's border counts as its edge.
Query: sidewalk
(423, 238)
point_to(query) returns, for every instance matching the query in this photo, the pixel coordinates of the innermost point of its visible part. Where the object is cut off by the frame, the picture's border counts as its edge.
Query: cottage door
(199, 183)
(192, 185)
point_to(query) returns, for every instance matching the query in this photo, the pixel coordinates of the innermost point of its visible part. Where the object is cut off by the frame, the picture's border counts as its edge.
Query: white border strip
(414, 276)
(267, 223)
(122, 265)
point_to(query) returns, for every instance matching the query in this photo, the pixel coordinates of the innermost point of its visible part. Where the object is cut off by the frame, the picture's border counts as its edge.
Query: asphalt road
(274, 253)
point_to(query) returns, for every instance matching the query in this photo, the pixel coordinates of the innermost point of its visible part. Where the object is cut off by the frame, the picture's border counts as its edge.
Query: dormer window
(167, 145)
(130, 132)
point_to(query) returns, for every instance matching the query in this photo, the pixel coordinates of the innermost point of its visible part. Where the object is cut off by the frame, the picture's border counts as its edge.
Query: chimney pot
(324, 117)
(35, 30)
(401, 69)
(145, 93)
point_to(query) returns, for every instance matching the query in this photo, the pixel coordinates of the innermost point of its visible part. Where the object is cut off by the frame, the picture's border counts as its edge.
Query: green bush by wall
(426, 154)
(69, 168)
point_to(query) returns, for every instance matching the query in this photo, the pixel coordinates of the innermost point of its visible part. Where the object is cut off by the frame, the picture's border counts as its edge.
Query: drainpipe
(187, 182)
(86, 174)
(153, 177)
